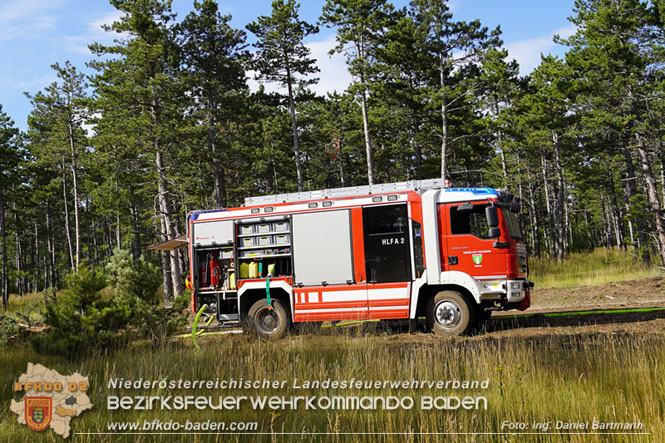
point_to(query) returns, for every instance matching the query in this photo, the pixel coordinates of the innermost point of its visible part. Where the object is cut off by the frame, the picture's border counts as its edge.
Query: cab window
(469, 222)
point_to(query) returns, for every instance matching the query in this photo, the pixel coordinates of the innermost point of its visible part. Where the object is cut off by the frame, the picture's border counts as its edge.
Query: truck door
(469, 248)
(387, 260)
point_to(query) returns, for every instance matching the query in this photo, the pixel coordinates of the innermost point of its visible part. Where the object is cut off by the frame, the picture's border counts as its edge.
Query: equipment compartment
(264, 241)
(283, 239)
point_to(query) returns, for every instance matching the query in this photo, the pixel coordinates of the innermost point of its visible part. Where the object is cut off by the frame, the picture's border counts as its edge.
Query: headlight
(515, 285)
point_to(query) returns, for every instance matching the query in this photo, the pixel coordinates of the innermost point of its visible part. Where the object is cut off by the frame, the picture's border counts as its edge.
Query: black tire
(481, 320)
(268, 323)
(451, 313)
(483, 315)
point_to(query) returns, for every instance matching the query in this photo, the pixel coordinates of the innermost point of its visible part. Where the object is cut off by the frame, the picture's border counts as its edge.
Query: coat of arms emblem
(38, 412)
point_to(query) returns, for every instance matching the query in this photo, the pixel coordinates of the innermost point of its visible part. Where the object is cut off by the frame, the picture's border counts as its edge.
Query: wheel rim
(447, 314)
(266, 320)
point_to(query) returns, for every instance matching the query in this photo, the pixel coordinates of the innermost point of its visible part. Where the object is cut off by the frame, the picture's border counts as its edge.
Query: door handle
(452, 260)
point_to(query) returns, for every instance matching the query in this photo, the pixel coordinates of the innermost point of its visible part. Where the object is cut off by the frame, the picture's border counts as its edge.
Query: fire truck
(415, 250)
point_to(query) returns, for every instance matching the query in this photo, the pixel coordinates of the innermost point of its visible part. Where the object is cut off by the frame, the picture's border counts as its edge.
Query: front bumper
(508, 292)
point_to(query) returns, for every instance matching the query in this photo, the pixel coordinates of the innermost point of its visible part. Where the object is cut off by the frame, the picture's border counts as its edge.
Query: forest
(167, 124)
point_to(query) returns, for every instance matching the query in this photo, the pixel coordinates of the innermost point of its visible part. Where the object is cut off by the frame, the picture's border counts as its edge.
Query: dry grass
(559, 377)
(604, 374)
(589, 269)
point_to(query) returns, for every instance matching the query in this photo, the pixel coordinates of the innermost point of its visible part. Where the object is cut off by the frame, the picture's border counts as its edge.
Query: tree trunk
(74, 166)
(95, 247)
(662, 177)
(166, 270)
(368, 143)
(562, 215)
(67, 230)
(4, 281)
(218, 177)
(168, 231)
(50, 248)
(136, 233)
(534, 220)
(631, 191)
(615, 211)
(18, 254)
(294, 128)
(444, 118)
(363, 109)
(652, 196)
(165, 211)
(554, 242)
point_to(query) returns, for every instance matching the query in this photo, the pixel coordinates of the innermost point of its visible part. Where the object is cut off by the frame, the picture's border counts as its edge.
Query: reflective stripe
(326, 310)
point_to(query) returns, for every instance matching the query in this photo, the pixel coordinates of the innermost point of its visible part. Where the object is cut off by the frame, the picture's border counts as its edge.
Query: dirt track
(621, 295)
(613, 299)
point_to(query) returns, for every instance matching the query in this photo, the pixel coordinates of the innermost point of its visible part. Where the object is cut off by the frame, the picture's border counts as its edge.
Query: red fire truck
(408, 250)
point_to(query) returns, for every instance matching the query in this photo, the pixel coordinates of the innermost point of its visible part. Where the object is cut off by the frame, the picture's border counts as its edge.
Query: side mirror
(515, 206)
(492, 216)
(494, 232)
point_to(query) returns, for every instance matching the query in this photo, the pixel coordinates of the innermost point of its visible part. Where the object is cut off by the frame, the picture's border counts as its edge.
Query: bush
(83, 319)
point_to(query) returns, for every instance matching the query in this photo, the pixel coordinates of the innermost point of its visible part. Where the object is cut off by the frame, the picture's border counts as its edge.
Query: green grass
(589, 269)
(561, 377)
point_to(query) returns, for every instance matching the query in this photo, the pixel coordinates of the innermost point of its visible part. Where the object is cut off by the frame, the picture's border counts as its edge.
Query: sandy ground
(649, 292)
(612, 299)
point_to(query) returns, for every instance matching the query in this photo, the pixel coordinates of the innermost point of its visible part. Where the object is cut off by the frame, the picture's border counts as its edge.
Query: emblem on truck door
(477, 258)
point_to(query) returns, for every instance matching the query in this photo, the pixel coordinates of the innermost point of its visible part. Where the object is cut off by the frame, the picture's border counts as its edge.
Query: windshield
(512, 223)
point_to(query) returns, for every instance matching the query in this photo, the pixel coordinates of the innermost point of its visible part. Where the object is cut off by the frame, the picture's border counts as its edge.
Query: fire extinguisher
(215, 271)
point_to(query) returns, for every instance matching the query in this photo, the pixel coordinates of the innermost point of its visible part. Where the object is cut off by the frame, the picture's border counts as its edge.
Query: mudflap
(524, 304)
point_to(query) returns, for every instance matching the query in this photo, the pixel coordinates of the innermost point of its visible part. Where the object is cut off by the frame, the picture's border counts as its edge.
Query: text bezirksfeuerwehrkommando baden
(161, 396)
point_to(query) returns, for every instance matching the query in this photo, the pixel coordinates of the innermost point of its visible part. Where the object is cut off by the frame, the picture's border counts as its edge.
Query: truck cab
(414, 251)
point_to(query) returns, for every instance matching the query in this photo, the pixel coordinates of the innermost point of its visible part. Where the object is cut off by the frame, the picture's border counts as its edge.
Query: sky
(34, 34)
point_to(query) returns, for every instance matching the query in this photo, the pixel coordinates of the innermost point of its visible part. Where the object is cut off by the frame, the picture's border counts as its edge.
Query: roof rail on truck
(418, 186)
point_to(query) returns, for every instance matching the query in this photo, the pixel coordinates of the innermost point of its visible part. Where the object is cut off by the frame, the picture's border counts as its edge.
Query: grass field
(540, 369)
(604, 377)
(589, 269)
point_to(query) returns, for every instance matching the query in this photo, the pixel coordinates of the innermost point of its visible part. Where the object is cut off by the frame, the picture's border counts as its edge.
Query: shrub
(82, 319)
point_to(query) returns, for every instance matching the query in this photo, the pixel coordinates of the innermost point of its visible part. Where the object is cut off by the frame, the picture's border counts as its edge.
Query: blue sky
(36, 33)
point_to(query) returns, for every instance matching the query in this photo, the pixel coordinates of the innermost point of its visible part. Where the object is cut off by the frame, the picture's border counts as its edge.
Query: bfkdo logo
(477, 258)
(38, 412)
(50, 399)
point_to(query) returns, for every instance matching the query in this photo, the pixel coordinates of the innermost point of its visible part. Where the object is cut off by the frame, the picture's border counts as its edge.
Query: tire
(268, 323)
(450, 313)
(483, 315)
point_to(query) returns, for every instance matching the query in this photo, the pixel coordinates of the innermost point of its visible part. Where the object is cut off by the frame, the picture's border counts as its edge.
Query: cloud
(334, 75)
(528, 52)
(26, 19)
(95, 26)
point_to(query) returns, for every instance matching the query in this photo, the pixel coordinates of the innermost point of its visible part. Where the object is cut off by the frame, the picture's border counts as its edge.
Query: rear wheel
(268, 322)
(450, 313)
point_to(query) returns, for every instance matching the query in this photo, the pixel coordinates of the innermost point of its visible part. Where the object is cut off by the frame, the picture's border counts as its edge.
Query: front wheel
(450, 313)
(266, 322)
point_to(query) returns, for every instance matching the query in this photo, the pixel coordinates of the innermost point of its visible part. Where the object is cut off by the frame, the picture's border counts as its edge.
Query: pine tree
(141, 98)
(616, 54)
(9, 161)
(456, 47)
(281, 57)
(214, 57)
(359, 24)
